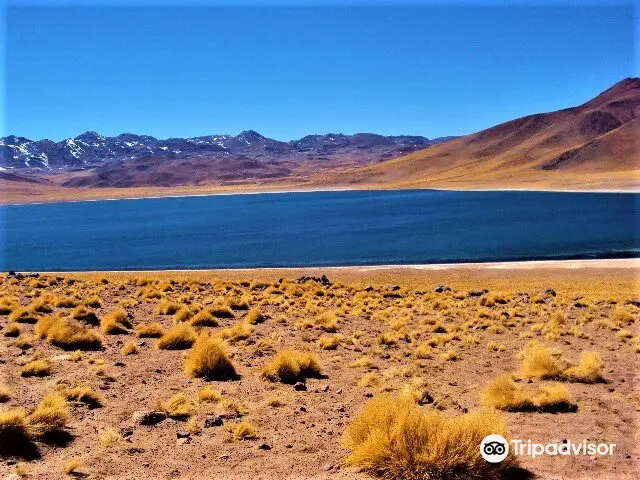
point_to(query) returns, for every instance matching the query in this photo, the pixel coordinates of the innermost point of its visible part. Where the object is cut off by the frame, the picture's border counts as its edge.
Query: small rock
(339, 391)
(288, 445)
(327, 467)
(477, 293)
(300, 387)
(264, 446)
(213, 421)
(119, 364)
(183, 434)
(148, 417)
(550, 291)
(303, 409)
(183, 441)
(325, 388)
(368, 395)
(425, 398)
(442, 288)
(126, 431)
(394, 288)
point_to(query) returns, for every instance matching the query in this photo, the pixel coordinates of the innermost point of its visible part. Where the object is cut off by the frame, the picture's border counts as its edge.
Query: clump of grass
(93, 301)
(23, 315)
(41, 305)
(254, 316)
(209, 395)
(423, 351)
(235, 333)
(370, 379)
(329, 342)
(83, 394)
(66, 302)
(67, 335)
(51, 415)
(503, 393)
(450, 355)
(291, 366)
(14, 433)
(179, 337)
(221, 311)
(327, 321)
(204, 319)
(275, 402)
(130, 348)
(208, 358)
(537, 362)
(109, 437)
(182, 315)
(71, 466)
(85, 314)
(362, 362)
(588, 370)
(243, 431)
(8, 304)
(393, 438)
(5, 394)
(12, 330)
(178, 407)
(36, 368)
(116, 322)
(149, 330)
(166, 307)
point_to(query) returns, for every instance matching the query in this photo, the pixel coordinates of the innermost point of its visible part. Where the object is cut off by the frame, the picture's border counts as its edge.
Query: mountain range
(593, 146)
(91, 150)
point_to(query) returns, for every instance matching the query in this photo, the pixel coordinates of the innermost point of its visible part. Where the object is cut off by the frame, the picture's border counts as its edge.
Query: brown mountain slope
(594, 145)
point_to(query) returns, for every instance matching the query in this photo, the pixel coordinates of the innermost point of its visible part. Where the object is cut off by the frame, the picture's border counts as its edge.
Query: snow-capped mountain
(90, 149)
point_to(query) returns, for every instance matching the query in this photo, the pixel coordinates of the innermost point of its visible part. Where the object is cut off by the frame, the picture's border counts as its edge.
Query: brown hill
(594, 145)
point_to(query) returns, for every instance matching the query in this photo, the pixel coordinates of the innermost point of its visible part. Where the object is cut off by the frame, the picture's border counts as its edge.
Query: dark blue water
(324, 228)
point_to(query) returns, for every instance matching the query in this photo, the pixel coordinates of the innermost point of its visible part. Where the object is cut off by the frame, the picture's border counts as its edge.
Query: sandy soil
(20, 193)
(304, 433)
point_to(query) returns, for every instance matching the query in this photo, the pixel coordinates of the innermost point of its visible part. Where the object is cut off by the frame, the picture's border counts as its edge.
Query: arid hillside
(592, 146)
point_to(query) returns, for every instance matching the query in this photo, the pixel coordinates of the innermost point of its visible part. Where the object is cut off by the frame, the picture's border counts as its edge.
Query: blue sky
(428, 69)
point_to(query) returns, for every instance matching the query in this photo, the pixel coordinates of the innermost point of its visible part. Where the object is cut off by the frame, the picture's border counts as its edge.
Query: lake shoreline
(213, 191)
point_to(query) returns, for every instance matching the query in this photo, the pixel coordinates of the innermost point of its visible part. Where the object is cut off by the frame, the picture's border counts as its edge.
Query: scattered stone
(635, 302)
(303, 409)
(183, 441)
(579, 305)
(550, 291)
(148, 417)
(339, 391)
(126, 431)
(368, 395)
(368, 288)
(442, 288)
(300, 387)
(183, 434)
(477, 293)
(321, 280)
(394, 288)
(327, 467)
(213, 421)
(425, 398)
(119, 364)
(264, 446)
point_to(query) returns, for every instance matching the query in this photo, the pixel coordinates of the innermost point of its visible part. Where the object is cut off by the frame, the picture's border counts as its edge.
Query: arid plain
(264, 374)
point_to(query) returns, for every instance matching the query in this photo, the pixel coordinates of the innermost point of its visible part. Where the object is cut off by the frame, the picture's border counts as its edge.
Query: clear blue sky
(424, 69)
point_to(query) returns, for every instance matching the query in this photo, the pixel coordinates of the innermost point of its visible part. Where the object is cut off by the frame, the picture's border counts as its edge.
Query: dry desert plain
(252, 374)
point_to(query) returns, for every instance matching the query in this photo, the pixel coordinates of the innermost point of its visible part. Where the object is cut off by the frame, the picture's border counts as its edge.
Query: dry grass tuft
(116, 322)
(5, 394)
(178, 338)
(36, 368)
(588, 370)
(109, 437)
(537, 362)
(204, 319)
(149, 330)
(254, 316)
(12, 330)
(67, 335)
(166, 307)
(329, 342)
(84, 314)
(83, 394)
(503, 393)
(243, 431)
(14, 434)
(291, 366)
(51, 415)
(327, 321)
(394, 438)
(130, 348)
(208, 358)
(178, 407)
(235, 333)
(23, 315)
(209, 395)
(71, 466)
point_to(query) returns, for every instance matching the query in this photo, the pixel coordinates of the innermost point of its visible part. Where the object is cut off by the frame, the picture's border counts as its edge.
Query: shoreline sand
(223, 191)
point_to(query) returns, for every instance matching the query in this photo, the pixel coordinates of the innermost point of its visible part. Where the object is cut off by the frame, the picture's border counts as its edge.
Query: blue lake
(320, 228)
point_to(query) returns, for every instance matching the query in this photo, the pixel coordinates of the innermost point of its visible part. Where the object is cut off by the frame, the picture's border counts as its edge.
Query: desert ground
(253, 374)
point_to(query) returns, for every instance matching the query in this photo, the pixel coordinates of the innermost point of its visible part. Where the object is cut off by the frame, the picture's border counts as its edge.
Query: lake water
(319, 228)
